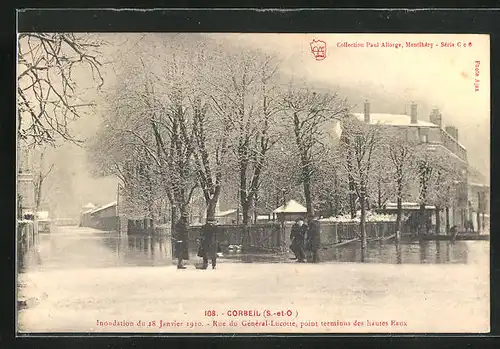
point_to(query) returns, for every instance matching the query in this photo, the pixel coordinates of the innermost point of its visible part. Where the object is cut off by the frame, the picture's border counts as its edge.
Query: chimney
(436, 118)
(367, 112)
(453, 131)
(413, 113)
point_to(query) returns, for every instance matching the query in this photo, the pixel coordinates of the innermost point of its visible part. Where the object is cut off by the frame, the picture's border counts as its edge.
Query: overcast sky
(438, 77)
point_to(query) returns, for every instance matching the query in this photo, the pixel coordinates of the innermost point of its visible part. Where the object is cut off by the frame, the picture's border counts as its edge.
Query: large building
(479, 200)
(434, 137)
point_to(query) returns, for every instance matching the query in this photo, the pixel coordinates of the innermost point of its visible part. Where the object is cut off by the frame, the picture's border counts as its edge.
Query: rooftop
(225, 213)
(89, 206)
(111, 204)
(291, 206)
(393, 119)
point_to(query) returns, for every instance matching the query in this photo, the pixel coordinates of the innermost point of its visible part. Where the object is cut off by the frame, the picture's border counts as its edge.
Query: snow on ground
(429, 298)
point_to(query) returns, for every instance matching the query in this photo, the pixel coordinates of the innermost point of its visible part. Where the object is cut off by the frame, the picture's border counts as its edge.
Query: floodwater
(74, 247)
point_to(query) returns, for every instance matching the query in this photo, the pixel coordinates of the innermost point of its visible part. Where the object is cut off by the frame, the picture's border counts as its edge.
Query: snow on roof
(393, 119)
(291, 206)
(225, 213)
(111, 204)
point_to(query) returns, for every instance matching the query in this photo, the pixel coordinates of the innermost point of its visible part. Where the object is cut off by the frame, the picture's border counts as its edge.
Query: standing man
(181, 240)
(208, 248)
(298, 236)
(313, 238)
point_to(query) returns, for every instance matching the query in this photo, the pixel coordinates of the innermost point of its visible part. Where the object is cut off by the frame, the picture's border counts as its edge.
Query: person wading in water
(298, 235)
(181, 240)
(208, 246)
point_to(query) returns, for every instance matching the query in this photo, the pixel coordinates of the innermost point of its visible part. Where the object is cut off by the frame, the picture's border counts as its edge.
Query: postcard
(221, 183)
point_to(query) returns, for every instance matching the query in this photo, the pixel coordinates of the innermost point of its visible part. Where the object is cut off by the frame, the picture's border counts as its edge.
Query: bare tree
(443, 186)
(246, 95)
(360, 151)
(48, 93)
(427, 162)
(328, 184)
(402, 159)
(40, 178)
(308, 112)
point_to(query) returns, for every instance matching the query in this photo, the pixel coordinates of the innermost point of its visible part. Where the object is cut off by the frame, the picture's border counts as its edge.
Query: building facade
(434, 138)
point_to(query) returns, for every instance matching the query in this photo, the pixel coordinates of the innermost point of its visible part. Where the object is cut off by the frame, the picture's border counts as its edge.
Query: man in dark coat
(208, 246)
(181, 240)
(298, 235)
(313, 238)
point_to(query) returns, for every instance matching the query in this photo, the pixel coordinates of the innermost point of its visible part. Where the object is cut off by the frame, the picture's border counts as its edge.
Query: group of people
(305, 238)
(208, 243)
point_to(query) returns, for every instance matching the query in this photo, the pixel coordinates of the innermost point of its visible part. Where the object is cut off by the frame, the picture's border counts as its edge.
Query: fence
(263, 237)
(270, 236)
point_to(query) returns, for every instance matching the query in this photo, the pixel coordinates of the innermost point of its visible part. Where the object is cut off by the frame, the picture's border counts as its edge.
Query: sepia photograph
(253, 183)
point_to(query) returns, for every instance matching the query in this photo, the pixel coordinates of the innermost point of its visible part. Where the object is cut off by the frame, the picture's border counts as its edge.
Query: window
(423, 135)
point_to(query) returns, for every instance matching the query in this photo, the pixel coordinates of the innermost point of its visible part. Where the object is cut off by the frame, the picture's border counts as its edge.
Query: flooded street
(74, 247)
(95, 281)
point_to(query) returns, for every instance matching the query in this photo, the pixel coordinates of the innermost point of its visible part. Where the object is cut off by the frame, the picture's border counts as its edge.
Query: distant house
(105, 217)
(290, 211)
(228, 217)
(85, 217)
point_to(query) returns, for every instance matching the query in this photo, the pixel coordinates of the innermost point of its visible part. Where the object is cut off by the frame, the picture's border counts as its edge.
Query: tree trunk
(447, 217)
(38, 193)
(254, 208)
(352, 201)
(245, 208)
(336, 196)
(307, 194)
(438, 220)
(379, 197)
(362, 229)
(399, 216)
(211, 205)
(422, 219)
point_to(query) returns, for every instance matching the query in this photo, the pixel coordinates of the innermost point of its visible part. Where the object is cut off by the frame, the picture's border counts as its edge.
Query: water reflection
(85, 248)
(418, 252)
